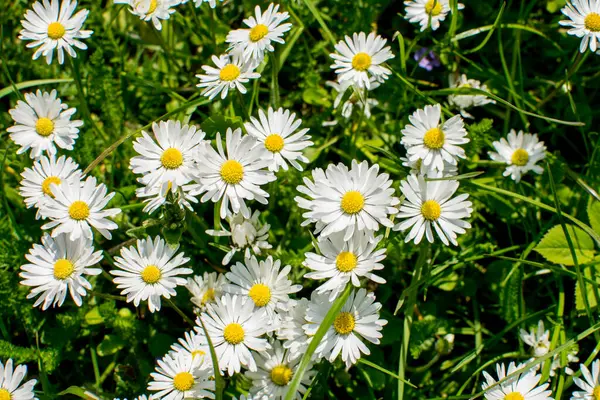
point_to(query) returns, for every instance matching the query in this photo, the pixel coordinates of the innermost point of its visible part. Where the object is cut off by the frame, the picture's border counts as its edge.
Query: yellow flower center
(56, 30)
(171, 158)
(434, 139)
(520, 157)
(281, 375)
(198, 353)
(514, 396)
(433, 10)
(44, 126)
(229, 72)
(209, 296)
(260, 294)
(79, 210)
(153, 5)
(344, 323)
(274, 143)
(596, 393)
(431, 210)
(361, 61)
(232, 172)
(233, 333)
(46, 186)
(183, 381)
(151, 274)
(258, 32)
(352, 202)
(4, 394)
(592, 22)
(345, 261)
(63, 269)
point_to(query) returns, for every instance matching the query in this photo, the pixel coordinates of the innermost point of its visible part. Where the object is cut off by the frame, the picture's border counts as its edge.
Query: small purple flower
(427, 59)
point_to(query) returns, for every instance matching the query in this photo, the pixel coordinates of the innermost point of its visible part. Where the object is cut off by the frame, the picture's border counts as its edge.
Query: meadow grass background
(482, 291)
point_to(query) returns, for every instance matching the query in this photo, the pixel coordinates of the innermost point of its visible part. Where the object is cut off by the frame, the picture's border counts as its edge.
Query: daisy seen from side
(538, 339)
(521, 152)
(155, 197)
(231, 72)
(291, 331)
(465, 101)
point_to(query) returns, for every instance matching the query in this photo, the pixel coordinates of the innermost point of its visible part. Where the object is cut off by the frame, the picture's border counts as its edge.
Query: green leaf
(110, 345)
(76, 391)
(35, 83)
(589, 288)
(316, 96)
(553, 6)
(220, 123)
(554, 247)
(93, 317)
(593, 211)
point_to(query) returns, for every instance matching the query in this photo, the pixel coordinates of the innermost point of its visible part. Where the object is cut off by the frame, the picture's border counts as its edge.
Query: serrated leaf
(593, 211)
(110, 345)
(510, 296)
(591, 297)
(555, 248)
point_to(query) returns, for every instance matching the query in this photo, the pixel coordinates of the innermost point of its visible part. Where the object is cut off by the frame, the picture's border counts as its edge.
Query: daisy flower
(150, 271)
(263, 29)
(425, 138)
(358, 99)
(417, 167)
(429, 206)
(43, 122)
(212, 3)
(10, 382)
(151, 10)
(358, 319)
(247, 235)
(142, 397)
(235, 327)
(590, 384)
(359, 58)
(274, 373)
(35, 186)
(231, 72)
(234, 177)
(584, 22)
(59, 265)
(181, 377)
(539, 339)
(77, 206)
(154, 197)
(291, 331)
(168, 161)
(423, 11)
(51, 25)
(522, 386)
(264, 282)
(345, 200)
(193, 344)
(278, 131)
(206, 288)
(464, 101)
(520, 152)
(342, 261)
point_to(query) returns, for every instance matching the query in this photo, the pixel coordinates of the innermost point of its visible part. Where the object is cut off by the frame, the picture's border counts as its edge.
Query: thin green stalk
(275, 79)
(219, 381)
(240, 98)
(180, 312)
(315, 12)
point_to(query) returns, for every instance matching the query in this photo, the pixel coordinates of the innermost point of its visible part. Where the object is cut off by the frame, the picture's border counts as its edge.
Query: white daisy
(43, 122)
(358, 99)
(538, 340)
(10, 382)
(212, 3)
(522, 386)
(77, 206)
(429, 206)
(206, 288)
(590, 384)
(425, 138)
(417, 167)
(520, 152)
(265, 283)
(35, 186)
(150, 271)
(142, 397)
(584, 22)
(151, 10)
(291, 330)
(464, 101)
(193, 344)
(234, 177)
(359, 318)
(52, 25)
(342, 261)
(263, 29)
(557, 363)
(359, 59)
(424, 11)
(59, 265)
(231, 72)
(275, 371)
(235, 327)
(154, 197)
(279, 133)
(168, 161)
(247, 235)
(345, 200)
(181, 377)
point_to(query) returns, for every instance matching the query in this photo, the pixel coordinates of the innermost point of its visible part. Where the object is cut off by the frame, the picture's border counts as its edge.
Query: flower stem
(275, 80)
